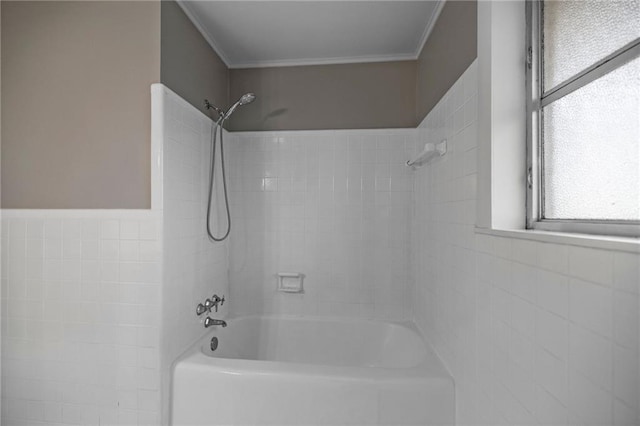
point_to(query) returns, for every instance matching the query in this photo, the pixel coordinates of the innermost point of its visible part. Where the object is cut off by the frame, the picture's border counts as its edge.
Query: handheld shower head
(245, 99)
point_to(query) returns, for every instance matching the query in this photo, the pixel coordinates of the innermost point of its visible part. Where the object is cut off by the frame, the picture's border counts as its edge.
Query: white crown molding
(306, 62)
(196, 22)
(324, 61)
(429, 28)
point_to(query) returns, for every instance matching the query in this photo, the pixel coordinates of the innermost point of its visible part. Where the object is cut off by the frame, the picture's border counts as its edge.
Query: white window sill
(583, 240)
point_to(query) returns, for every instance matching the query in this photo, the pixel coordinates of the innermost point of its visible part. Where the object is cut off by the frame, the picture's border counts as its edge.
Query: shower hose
(216, 128)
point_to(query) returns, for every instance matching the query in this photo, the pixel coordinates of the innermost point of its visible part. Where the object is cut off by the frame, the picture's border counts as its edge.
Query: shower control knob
(200, 309)
(217, 300)
(208, 304)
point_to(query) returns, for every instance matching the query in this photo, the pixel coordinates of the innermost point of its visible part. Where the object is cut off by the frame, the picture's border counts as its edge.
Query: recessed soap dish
(290, 282)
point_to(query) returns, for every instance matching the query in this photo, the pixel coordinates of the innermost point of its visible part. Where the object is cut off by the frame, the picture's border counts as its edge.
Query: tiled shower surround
(533, 332)
(194, 268)
(333, 205)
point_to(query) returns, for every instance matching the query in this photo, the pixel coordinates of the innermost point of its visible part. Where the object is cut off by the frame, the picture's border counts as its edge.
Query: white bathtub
(300, 371)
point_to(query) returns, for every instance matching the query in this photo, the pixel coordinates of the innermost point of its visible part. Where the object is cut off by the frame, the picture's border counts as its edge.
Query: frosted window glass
(578, 34)
(592, 150)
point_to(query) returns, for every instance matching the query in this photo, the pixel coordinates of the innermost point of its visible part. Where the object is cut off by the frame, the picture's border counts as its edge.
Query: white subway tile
(524, 281)
(109, 250)
(552, 374)
(127, 417)
(549, 411)
(626, 271)
(625, 375)
(72, 229)
(553, 257)
(110, 229)
(52, 229)
(129, 250)
(109, 271)
(553, 293)
(591, 306)
(525, 251)
(149, 229)
(502, 247)
(71, 248)
(90, 249)
(591, 264)
(623, 415)
(592, 355)
(626, 319)
(552, 333)
(523, 317)
(53, 248)
(588, 403)
(90, 229)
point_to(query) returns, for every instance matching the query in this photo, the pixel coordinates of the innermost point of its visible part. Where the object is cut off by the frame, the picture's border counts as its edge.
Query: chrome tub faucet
(208, 322)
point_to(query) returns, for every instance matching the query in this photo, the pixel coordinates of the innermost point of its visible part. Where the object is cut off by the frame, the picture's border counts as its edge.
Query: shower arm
(209, 105)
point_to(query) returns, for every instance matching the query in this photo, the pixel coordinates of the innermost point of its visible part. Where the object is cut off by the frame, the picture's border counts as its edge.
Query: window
(583, 116)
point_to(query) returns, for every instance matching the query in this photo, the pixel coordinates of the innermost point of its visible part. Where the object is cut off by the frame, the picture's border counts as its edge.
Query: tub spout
(208, 322)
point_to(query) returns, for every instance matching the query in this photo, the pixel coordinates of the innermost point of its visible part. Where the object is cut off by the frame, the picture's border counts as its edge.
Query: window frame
(537, 98)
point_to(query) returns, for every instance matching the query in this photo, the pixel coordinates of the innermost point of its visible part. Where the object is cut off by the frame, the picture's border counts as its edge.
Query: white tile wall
(80, 329)
(333, 205)
(194, 267)
(534, 333)
(1, 313)
(97, 304)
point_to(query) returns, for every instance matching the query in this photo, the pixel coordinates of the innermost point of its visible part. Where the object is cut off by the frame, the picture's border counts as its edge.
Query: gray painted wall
(360, 96)
(76, 97)
(349, 96)
(76, 108)
(448, 52)
(76, 130)
(189, 66)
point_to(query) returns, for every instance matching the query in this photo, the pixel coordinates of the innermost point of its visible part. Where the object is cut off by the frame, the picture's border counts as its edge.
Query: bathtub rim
(431, 368)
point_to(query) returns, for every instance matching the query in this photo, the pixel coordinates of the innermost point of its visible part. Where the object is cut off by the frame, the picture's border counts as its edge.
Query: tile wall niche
(194, 267)
(533, 332)
(333, 205)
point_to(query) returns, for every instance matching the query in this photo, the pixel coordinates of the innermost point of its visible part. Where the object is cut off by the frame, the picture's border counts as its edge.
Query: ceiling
(248, 34)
